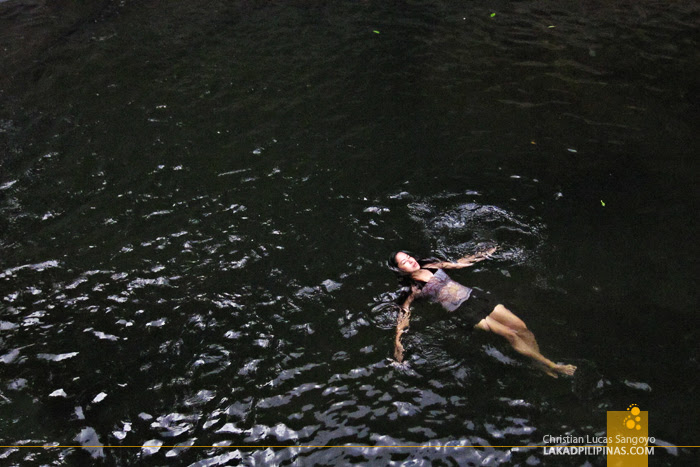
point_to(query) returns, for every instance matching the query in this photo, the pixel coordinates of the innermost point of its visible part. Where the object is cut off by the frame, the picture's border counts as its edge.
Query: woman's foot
(565, 369)
(547, 370)
(556, 370)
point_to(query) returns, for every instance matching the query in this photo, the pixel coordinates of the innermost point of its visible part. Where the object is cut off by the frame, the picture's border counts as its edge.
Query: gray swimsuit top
(443, 290)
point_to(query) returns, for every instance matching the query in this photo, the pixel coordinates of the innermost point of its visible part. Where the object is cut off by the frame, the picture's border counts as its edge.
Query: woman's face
(406, 263)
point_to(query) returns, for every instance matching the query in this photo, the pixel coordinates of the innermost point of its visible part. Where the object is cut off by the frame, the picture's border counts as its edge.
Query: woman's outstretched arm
(402, 325)
(463, 262)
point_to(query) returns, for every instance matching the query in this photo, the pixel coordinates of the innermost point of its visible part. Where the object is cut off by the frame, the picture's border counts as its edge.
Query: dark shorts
(479, 305)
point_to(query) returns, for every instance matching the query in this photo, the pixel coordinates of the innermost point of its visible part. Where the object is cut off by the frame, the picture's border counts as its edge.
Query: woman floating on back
(428, 279)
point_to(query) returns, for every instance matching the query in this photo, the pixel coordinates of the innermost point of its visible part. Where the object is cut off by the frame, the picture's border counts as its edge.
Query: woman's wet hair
(394, 266)
(405, 280)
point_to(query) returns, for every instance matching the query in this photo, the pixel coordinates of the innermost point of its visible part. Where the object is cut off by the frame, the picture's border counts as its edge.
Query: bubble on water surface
(17, 384)
(638, 385)
(99, 398)
(179, 448)
(90, 441)
(10, 357)
(151, 447)
(331, 285)
(56, 357)
(7, 185)
(203, 396)
(156, 323)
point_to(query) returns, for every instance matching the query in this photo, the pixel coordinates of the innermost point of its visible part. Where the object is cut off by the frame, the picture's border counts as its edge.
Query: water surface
(197, 200)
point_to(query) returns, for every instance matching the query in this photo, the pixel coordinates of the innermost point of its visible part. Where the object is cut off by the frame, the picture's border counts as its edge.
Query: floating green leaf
(375, 31)
(602, 203)
(493, 14)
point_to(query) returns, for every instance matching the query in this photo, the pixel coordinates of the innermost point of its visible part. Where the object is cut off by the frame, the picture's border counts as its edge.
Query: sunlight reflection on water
(196, 206)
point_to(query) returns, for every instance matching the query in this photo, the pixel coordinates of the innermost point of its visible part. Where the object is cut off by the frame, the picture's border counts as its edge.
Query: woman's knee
(511, 335)
(483, 325)
(496, 327)
(506, 317)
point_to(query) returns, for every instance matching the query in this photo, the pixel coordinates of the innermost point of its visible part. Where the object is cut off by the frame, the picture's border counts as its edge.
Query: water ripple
(216, 276)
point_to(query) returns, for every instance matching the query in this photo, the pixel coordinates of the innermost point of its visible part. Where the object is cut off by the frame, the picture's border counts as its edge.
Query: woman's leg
(503, 322)
(506, 317)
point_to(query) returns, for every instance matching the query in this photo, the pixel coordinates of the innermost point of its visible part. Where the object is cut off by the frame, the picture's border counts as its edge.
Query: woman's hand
(403, 321)
(466, 261)
(398, 352)
(401, 326)
(471, 259)
(488, 252)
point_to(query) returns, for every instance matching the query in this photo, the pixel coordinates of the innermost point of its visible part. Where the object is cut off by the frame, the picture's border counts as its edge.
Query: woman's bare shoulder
(423, 275)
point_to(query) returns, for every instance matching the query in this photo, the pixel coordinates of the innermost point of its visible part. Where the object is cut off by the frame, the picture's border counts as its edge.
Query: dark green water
(197, 200)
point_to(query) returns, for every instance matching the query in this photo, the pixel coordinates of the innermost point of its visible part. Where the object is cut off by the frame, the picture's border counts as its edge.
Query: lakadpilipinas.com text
(596, 445)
